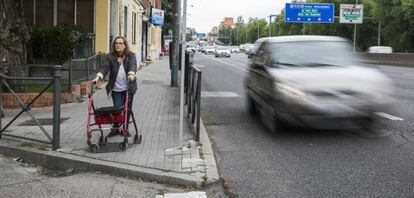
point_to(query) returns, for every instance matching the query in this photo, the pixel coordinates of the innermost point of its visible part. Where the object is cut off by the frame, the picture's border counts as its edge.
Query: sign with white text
(351, 13)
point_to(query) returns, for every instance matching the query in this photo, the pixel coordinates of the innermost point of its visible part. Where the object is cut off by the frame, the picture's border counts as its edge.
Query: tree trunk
(13, 36)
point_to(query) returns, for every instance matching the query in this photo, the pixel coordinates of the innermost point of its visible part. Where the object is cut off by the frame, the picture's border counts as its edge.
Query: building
(213, 35)
(103, 20)
(227, 22)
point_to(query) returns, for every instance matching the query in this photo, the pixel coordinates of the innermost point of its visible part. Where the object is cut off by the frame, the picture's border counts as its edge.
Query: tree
(13, 35)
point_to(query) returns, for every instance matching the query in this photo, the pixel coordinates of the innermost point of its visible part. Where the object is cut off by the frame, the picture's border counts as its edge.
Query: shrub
(53, 45)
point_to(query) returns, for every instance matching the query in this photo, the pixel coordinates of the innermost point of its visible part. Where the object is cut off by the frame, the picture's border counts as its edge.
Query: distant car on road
(380, 49)
(209, 50)
(222, 52)
(314, 81)
(234, 50)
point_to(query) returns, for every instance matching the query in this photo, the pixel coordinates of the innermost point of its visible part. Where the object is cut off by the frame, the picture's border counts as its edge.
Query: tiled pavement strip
(156, 109)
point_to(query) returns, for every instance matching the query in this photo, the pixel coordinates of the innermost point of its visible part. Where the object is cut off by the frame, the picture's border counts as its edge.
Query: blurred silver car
(314, 81)
(222, 52)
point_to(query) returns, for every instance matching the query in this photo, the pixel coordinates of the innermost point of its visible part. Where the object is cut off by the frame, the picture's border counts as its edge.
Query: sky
(205, 14)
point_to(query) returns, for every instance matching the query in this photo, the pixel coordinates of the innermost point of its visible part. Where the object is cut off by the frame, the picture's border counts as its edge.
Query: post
(237, 35)
(176, 47)
(57, 75)
(270, 26)
(258, 31)
(379, 34)
(183, 71)
(304, 28)
(1, 91)
(355, 32)
(198, 106)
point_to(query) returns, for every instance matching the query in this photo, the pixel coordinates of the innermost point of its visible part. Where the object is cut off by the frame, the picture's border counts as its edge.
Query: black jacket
(111, 65)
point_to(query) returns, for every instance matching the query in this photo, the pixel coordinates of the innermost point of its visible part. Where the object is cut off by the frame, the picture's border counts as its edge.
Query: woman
(121, 64)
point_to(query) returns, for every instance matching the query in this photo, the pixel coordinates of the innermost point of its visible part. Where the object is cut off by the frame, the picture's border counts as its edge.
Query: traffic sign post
(351, 13)
(309, 13)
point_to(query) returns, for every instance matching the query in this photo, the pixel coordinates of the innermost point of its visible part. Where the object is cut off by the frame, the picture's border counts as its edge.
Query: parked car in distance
(380, 49)
(222, 52)
(314, 81)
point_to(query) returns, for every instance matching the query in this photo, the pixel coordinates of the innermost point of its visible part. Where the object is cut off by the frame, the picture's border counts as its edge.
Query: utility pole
(176, 42)
(237, 35)
(258, 31)
(270, 26)
(184, 35)
(379, 24)
(355, 32)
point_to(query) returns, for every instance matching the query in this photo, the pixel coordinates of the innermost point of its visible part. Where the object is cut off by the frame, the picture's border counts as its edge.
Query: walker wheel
(94, 148)
(122, 146)
(137, 139)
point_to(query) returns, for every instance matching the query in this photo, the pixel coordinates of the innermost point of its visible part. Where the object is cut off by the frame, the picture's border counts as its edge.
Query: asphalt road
(19, 178)
(305, 162)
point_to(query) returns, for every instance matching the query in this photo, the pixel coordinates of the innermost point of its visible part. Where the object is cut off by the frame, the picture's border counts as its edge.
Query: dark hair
(126, 51)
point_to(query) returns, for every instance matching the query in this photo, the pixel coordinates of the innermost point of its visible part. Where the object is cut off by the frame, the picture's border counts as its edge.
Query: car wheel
(251, 106)
(366, 123)
(269, 119)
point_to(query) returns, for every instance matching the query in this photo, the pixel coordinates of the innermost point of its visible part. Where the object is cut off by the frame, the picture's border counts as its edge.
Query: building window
(84, 14)
(28, 6)
(134, 28)
(66, 12)
(44, 12)
(125, 22)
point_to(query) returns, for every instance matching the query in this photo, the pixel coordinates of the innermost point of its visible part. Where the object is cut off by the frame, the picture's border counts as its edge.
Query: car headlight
(291, 91)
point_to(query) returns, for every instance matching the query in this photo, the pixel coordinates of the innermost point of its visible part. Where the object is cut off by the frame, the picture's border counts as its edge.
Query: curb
(64, 161)
(209, 160)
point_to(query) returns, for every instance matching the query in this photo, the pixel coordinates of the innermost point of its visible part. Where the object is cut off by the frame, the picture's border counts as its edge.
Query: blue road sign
(201, 34)
(309, 12)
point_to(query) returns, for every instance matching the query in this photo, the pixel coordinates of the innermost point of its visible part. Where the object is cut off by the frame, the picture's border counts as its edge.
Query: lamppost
(379, 24)
(270, 23)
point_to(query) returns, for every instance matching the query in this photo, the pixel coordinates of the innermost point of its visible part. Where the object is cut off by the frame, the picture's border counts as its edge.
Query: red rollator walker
(110, 116)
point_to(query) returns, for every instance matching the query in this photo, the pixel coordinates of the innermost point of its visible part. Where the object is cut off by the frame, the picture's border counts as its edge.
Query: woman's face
(120, 46)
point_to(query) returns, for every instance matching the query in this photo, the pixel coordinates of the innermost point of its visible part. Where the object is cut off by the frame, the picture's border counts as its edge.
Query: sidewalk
(156, 109)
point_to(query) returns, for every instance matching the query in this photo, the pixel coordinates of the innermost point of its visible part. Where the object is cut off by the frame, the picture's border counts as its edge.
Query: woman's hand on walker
(96, 80)
(131, 77)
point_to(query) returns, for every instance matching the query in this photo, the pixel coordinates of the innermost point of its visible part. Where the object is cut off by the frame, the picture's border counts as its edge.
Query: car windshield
(312, 54)
(222, 48)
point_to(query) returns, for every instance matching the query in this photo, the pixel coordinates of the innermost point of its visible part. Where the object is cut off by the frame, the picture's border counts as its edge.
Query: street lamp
(270, 23)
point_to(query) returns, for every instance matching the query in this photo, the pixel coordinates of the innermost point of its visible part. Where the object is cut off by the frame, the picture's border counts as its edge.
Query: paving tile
(156, 110)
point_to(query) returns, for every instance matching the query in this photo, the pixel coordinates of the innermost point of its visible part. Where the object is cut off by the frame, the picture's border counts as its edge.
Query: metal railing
(83, 68)
(74, 71)
(192, 90)
(55, 81)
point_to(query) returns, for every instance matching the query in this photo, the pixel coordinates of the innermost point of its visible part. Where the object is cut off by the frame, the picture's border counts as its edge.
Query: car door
(259, 73)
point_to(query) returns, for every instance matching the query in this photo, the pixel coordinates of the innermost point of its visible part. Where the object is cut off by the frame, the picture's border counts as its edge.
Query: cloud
(209, 13)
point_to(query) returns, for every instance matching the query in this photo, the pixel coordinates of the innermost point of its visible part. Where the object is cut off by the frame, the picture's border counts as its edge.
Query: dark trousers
(119, 100)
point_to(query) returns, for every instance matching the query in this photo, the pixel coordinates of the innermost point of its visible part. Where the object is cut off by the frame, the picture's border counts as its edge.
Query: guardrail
(56, 82)
(394, 59)
(192, 89)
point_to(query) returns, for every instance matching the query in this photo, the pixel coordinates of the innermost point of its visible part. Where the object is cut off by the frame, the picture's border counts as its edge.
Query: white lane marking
(388, 116)
(233, 65)
(207, 94)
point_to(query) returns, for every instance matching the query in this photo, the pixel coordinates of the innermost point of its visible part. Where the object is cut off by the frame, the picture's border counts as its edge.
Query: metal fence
(52, 82)
(192, 90)
(73, 72)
